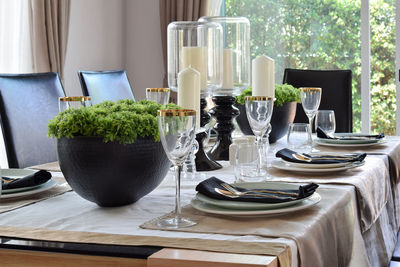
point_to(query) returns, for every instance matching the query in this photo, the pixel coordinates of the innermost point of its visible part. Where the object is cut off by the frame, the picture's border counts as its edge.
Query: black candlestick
(224, 112)
(203, 162)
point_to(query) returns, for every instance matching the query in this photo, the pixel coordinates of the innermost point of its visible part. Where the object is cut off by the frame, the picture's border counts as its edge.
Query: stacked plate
(23, 191)
(350, 140)
(316, 167)
(242, 208)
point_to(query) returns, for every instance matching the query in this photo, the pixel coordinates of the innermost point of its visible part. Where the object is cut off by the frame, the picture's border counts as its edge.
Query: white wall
(96, 39)
(144, 61)
(115, 34)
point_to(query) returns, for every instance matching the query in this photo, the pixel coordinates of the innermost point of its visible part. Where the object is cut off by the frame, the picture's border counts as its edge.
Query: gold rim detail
(159, 90)
(310, 89)
(258, 98)
(74, 98)
(176, 112)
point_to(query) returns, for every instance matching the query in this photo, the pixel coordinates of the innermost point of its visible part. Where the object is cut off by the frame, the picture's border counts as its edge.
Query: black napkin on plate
(287, 155)
(37, 178)
(207, 187)
(322, 134)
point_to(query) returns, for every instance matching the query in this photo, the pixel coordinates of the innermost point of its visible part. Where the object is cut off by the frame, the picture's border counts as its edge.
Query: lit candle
(189, 91)
(196, 57)
(227, 82)
(263, 76)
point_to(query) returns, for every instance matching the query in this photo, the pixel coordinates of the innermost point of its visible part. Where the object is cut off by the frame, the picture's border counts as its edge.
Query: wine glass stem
(260, 149)
(310, 119)
(178, 209)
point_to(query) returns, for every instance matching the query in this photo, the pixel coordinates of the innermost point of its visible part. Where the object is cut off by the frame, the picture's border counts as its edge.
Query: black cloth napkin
(207, 187)
(37, 178)
(287, 155)
(322, 134)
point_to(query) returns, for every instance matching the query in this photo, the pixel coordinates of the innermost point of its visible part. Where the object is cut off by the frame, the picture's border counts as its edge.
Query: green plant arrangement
(122, 121)
(283, 93)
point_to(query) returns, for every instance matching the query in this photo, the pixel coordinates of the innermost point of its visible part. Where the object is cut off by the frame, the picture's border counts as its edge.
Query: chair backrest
(105, 85)
(336, 93)
(27, 103)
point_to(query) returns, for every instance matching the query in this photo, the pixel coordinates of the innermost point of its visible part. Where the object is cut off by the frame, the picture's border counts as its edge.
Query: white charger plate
(199, 205)
(282, 165)
(317, 166)
(322, 142)
(245, 205)
(43, 187)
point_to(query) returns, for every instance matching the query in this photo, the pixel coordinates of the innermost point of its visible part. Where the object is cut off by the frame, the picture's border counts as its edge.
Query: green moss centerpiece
(111, 153)
(284, 112)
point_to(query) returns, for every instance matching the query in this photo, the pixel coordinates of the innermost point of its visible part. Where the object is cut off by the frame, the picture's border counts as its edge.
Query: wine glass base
(175, 222)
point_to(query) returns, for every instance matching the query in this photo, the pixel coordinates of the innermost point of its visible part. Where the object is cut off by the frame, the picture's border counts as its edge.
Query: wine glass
(158, 95)
(325, 119)
(73, 102)
(310, 99)
(259, 111)
(177, 131)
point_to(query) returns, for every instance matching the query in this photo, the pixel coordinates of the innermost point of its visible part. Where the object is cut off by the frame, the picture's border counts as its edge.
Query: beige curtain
(179, 10)
(49, 21)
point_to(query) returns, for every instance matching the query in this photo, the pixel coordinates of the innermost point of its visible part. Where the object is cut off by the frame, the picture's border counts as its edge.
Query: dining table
(353, 222)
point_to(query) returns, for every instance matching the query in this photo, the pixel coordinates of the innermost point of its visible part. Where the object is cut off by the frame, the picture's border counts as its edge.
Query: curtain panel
(49, 22)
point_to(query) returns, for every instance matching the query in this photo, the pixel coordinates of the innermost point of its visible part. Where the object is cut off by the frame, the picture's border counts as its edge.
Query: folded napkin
(322, 134)
(37, 178)
(207, 187)
(287, 155)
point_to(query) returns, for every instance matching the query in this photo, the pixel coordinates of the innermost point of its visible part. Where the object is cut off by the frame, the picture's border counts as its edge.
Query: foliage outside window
(325, 34)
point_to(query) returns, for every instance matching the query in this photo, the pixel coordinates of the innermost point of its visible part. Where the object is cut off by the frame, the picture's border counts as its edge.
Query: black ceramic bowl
(111, 174)
(280, 120)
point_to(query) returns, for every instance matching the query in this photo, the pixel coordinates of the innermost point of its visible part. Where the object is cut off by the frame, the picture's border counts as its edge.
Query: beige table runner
(8, 204)
(51, 167)
(372, 185)
(323, 233)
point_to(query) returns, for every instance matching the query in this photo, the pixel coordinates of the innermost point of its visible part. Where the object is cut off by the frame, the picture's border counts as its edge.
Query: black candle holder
(224, 112)
(203, 161)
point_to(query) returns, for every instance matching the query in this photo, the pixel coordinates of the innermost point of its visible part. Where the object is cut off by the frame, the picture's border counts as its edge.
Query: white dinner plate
(282, 165)
(43, 187)
(245, 205)
(322, 142)
(317, 166)
(353, 141)
(17, 173)
(306, 203)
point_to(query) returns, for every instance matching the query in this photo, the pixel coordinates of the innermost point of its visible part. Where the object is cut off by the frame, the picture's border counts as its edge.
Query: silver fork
(249, 191)
(233, 195)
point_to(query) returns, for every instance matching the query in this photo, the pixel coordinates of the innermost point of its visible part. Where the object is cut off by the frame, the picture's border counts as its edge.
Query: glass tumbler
(158, 95)
(73, 102)
(325, 119)
(246, 164)
(299, 137)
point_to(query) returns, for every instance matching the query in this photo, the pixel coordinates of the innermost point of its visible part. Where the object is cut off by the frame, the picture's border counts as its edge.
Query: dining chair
(336, 93)
(110, 85)
(27, 103)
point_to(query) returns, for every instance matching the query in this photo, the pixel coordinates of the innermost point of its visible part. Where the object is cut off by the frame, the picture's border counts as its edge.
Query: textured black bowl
(111, 174)
(280, 120)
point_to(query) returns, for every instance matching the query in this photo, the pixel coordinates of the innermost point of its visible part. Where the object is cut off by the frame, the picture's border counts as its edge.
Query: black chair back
(27, 103)
(110, 85)
(336, 93)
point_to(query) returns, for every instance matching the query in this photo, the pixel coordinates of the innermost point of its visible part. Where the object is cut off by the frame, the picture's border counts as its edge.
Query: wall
(115, 34)
(144, 61)
(96, 39)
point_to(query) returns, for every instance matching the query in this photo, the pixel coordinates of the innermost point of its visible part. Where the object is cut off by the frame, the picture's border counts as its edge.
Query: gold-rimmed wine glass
(177, 131)
(310, 99)
(73, 102)
(158, 95)
(259, 111)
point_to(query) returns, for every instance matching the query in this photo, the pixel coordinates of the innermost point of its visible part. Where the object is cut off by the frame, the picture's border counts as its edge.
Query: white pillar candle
(263, 76)
(196, 57)
(227, 74)
(189, 91)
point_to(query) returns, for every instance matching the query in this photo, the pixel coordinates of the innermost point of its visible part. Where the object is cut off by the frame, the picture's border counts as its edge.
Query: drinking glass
(325, 119)
(158, 95)
(73, 102)
(246, 163)
(259, 111)
(299, 137)
(177, 130)
(310, 99)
